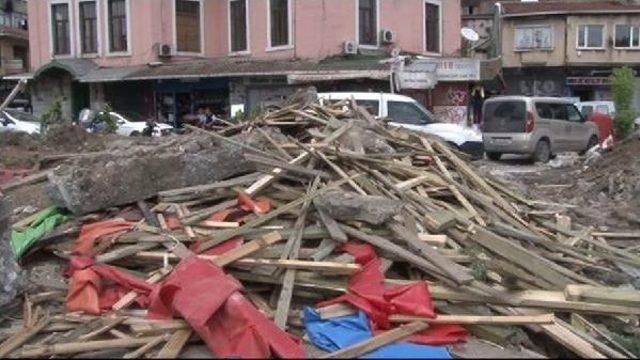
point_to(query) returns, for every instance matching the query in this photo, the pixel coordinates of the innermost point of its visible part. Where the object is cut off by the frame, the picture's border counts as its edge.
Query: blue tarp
(334, 334)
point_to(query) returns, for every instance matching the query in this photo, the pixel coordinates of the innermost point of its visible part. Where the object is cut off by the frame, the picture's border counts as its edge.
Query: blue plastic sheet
(334, 334)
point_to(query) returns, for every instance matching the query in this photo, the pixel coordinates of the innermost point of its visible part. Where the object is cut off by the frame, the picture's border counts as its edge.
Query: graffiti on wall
(451, 114)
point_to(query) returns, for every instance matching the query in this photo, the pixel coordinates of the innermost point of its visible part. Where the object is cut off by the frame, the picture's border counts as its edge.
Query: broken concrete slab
(10, 272)
(89, 184)
(351, 206)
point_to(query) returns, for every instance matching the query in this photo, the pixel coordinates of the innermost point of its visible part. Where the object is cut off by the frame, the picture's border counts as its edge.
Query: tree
(622, 82)
(53, 115)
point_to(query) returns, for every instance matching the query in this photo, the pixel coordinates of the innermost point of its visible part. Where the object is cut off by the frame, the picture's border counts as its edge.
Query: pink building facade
(150, 44)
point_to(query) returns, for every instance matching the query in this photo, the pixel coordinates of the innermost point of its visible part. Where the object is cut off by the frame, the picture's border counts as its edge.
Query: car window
(559, 112)
(587, 111)
(602, 109)
(22, 116)
(407, 113)
(573, 114)
(544, 110)
(372, 106)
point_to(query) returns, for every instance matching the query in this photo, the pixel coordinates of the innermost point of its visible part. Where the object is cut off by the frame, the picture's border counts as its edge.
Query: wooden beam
(247, 249)
(175, 344)
(602, 295)
(78, 347)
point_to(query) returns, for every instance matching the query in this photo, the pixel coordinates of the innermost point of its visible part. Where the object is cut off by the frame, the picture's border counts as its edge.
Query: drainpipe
(497, 30)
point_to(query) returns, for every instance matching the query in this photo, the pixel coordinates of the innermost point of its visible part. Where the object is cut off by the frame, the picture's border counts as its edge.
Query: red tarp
(210, 301)
(368, 293)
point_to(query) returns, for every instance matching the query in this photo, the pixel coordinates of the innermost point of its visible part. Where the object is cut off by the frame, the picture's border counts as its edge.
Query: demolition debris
(316, 225)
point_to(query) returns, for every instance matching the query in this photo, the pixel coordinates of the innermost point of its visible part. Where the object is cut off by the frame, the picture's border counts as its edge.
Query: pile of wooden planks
(495, 261)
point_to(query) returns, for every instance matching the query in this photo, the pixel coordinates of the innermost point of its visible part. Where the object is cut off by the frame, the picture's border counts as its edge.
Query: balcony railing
(14, 20)
(12, 66)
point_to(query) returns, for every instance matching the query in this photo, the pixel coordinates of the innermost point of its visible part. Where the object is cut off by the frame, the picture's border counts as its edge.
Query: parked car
(536, 126)
(588, 108)
(405, 112)
(129, 123)
(18, 121)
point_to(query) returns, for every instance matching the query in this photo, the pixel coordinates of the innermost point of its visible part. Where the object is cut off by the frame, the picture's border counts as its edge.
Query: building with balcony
(568, 49)
(14, 42)
(167, 58)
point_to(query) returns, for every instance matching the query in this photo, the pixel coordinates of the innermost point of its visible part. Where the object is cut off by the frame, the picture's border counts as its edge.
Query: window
(368, 22)
(602, 109)
(372, 106)
(279, 23)
(20, 53)
(117, 15)
(188, 26)
(87, 12)
(60, 29)
(238, 25)
(534, 37)
(432, 27)
(590, 36)
(627, 36)
(407, 113)
(573, 114)
(587, 112)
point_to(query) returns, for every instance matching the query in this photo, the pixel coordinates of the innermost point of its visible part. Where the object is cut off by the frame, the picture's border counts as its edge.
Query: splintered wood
(494, 260)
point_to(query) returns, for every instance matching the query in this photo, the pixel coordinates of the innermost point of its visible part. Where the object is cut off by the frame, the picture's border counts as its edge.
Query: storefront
(177, 99)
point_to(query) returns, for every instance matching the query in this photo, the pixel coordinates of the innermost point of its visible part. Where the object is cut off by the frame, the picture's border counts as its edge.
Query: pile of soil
(607, 193)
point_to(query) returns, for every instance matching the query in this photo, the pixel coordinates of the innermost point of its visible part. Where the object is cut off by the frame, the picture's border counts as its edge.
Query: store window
(60, 35)
(627, 36)
(238, 25)
(432, 26)
(88, 22)
(590, 36)
(118, 29)
(368, 22)
(279, 20)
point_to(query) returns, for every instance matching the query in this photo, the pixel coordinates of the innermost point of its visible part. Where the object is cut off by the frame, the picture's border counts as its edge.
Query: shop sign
(458, 69)
(418, 75)
(588, 81)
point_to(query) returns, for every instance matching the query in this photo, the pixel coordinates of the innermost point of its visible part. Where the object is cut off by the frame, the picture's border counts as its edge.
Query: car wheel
(543, 152)
(135, 134)
(592, 142)
(494, 156)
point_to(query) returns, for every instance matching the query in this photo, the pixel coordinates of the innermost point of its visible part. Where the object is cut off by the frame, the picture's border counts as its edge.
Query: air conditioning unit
(165, 50)
(350, 48)
(388, 36)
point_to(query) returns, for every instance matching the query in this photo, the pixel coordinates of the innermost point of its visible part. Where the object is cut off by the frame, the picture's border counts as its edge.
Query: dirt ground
(605, 194)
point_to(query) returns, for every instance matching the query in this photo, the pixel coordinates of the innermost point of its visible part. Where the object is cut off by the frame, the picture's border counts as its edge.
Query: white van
(405, 112)
(588, 108)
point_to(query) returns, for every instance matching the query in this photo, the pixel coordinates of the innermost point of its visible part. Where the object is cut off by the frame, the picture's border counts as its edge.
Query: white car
(405, 112)
(18, 121)
(130, 124)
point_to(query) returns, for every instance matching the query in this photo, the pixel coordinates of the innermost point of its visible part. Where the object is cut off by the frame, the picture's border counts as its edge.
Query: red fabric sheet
(605, 125)
(368, 293)
(210, 301)
(93, 232)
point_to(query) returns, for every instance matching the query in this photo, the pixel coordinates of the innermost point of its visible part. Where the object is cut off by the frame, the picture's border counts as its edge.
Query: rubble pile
(336, 232)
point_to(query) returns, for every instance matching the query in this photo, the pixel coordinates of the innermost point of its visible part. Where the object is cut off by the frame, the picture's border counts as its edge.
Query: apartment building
(168, 58)
(14, 41)
(568, 48)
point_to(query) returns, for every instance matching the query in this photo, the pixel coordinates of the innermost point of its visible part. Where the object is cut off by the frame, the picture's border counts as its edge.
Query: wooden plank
(478, 320)
(266, 180)
(457, 273)
(27, 180)
(108, 325)
(78, 347)
(219, 224)
(227, 234)
(602, 295)
(174, 345)
(572, 341)
(332, 226)
(439, 241)
(378, 341)
(138, 353)
(17, 340)
(247, 249)
(131, 296)
(124, 252)
(520, 256)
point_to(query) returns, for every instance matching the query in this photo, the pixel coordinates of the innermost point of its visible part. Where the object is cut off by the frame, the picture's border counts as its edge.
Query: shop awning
(18, 77)
(302, 78)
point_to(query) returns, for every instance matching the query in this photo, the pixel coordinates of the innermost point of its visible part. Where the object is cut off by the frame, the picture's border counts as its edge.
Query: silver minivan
(536, 126)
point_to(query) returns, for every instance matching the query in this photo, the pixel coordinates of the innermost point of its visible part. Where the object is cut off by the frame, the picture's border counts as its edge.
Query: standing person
(477, 100)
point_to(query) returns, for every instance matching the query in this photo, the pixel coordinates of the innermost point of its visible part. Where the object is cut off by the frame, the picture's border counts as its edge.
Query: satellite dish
(470, 34)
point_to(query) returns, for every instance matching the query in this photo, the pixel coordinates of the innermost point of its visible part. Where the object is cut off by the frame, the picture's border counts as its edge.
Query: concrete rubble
(351, 206)
(10, 272)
